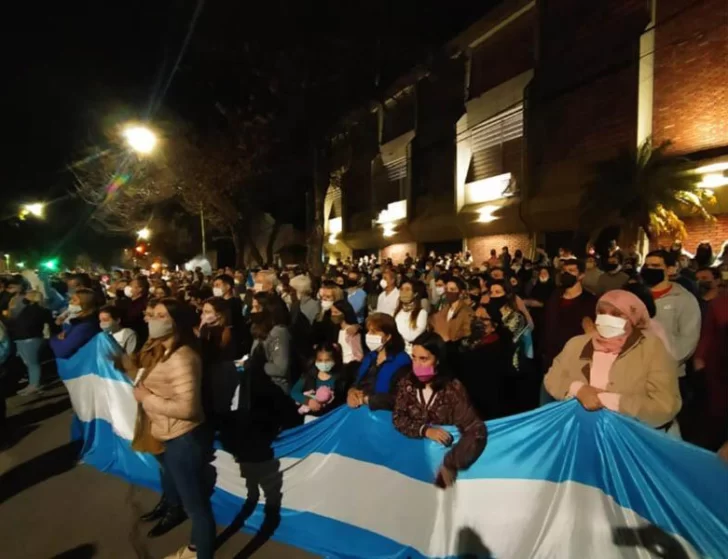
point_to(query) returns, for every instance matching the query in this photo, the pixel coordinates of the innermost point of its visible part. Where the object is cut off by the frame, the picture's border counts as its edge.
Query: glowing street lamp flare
(37, 209)
(141, 139)
(144, 234)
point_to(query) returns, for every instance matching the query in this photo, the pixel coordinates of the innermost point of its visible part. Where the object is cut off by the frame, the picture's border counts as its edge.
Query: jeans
(188, 480)
(29, 351)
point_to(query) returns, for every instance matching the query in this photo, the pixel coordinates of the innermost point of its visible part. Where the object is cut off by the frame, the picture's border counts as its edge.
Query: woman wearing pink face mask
(428, 398)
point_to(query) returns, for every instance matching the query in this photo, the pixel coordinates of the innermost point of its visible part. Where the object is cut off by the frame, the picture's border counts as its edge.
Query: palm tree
(646, 190)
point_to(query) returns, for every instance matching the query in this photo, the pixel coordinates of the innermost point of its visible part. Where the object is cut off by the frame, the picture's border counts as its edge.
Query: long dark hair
(263, 321)
(221, 308)
(508, 290)
(416, 302)
(185, 320)
(435, 345)
(345, 308)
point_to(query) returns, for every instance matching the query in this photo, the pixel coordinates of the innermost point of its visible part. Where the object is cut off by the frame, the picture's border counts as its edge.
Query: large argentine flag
(557, 482)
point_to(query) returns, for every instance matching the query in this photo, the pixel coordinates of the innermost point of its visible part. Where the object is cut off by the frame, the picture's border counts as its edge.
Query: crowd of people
(438, 340)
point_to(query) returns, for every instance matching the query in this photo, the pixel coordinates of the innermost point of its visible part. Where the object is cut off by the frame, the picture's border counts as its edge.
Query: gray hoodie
(679, 314)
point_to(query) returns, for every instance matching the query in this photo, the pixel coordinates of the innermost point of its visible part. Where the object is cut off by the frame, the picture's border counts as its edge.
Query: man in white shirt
(389, 297)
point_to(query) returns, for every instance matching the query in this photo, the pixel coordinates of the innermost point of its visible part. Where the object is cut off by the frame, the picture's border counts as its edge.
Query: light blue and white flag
(556, 482)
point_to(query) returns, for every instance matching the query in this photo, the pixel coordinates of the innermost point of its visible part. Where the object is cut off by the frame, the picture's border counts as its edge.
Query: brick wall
(699, 230)
(480, 247)
(489, 67)
(583, 100)
(691, 74)
(397, 252)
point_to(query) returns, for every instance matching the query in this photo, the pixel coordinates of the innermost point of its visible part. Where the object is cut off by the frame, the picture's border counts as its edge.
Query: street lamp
(140, 138)
(144, 234)
(37, 210)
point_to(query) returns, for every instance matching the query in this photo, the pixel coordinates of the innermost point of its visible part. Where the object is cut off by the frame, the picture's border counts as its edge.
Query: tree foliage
(646, 189)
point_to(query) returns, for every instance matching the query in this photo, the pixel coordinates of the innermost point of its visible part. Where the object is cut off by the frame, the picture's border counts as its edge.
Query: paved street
(50, 507)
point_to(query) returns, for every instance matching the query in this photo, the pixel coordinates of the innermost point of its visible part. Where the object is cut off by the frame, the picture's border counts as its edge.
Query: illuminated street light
(37, 210)
(141, 139)
(144, 234)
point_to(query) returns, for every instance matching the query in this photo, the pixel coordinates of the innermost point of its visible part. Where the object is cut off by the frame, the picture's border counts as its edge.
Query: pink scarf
(631, 308)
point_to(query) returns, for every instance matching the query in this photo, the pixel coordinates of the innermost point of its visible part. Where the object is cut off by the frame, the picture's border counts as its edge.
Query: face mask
(208, 318)
(406, 299)
(652, 276)
(108, 326)
(256, 317)
(128, 292)
(452, 296)
(475, 298)
(439, 291)
(610, 326)
(383, 284)
(324, 366)
(374, 343)
(567, 280)
(160, 328)
(257, 287)
(326, 305)
(496, 303)
(217, 291)
(610, 267)
(74, 310)
(424, 373)
(543, 280)
(705, 286)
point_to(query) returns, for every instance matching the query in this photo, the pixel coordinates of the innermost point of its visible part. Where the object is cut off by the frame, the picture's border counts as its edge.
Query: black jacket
(30, 322)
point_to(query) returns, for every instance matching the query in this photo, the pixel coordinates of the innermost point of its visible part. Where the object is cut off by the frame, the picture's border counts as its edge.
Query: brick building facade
(491, 144)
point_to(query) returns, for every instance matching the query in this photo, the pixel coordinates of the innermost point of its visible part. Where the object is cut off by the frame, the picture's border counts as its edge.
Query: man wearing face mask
(133, 308)
(592, 275)
(224, 288)
(356, 296)
(613, 276)
(677, 309)
(565, 311)
(389, 297)
(708, 284)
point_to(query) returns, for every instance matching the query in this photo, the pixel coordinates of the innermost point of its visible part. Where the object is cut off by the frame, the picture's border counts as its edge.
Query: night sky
(74, 69)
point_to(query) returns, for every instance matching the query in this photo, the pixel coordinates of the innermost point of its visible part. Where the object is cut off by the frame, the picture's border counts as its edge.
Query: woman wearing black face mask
(485, 362)
(502, 303)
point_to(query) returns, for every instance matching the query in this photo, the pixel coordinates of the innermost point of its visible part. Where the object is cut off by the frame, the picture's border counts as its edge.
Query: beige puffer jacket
(175, 405)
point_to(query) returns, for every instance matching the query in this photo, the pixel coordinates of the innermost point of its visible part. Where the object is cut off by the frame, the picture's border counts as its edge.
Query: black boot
(157, 512)
(171, 519)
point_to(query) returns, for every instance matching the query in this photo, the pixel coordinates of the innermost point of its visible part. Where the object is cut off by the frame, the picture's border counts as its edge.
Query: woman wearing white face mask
(619, 365)
(382, 368)
(82, 325)
(323, 329)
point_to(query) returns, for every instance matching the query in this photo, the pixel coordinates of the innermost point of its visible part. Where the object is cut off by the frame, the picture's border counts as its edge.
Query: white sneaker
(29, 390)
(183, 553)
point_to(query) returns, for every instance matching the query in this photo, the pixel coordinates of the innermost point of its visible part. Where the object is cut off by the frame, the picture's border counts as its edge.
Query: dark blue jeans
(188, 479)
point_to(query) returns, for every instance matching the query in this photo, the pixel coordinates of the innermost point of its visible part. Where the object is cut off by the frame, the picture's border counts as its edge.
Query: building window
(496, 145)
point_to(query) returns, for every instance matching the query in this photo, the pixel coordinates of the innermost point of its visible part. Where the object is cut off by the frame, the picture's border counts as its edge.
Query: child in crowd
(322, 388)
(110, 322)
